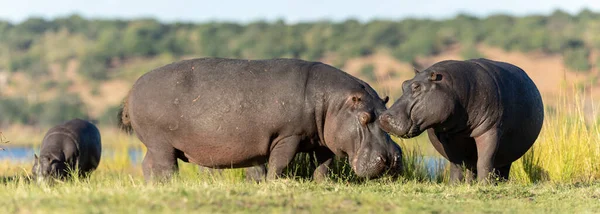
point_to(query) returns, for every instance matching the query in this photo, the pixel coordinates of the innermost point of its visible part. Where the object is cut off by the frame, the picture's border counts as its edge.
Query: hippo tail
(123, 117)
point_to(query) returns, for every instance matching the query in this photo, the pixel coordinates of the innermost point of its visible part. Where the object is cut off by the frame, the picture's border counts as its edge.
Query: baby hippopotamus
(74, 144)
(478, 113)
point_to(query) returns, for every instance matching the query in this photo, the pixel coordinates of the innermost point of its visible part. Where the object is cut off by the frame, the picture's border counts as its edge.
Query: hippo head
(46, 167)
(352, 131)
(425, 102)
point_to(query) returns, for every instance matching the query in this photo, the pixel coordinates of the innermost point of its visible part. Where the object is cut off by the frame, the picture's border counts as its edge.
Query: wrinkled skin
(479, 113)
(73, 145)
(226, 113)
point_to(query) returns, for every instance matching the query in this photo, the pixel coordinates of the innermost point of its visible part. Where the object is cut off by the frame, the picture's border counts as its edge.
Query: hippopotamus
(234, 113)
(478, 113)
(73, 145)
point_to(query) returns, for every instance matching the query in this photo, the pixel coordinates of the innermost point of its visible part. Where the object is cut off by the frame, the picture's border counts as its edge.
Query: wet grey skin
(231, 113)
(479, 113)
(72, 146)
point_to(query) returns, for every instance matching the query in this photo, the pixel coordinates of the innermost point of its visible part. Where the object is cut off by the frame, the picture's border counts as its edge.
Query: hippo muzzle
(400, 125)
(375, 162)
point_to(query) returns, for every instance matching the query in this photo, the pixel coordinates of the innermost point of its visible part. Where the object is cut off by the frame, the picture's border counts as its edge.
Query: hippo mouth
(396, 167)
(391, 126)
(413, 131)
(414, 128)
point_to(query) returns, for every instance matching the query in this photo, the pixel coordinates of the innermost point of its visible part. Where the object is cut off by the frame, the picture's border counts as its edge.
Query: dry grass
(559, 174)
(568, 149)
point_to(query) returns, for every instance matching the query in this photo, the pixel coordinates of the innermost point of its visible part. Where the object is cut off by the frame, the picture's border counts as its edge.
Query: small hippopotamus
(479, 113)
(73, 145)
(231, 113)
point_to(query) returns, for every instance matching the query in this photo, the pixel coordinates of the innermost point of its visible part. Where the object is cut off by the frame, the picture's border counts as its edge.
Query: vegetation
(21, 111)
(120, 193)
(2, 140)
(368, 72)
(102, 50)
(560, 174)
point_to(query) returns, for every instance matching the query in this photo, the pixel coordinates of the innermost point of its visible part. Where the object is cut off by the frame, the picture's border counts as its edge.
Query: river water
(25, 154)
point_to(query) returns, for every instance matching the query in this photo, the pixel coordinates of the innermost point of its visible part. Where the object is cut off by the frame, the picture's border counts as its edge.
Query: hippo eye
(415, 87)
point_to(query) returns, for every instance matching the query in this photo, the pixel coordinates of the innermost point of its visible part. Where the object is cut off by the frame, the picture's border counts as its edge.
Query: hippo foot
(256, 173)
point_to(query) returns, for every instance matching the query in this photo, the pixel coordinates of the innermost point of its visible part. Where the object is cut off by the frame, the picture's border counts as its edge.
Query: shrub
(368, 72)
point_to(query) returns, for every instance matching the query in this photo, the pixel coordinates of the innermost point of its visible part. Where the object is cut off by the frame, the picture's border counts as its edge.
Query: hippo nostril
(381, 159)
(385, 120)
(386, 117)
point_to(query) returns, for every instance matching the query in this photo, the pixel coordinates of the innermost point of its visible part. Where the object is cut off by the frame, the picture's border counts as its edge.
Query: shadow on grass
(532, 168)
(304, 165)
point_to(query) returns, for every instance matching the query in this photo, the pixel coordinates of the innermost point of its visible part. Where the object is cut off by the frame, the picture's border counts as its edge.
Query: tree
(577, 59)
(141, 38)
(368, 72)
(65, 107)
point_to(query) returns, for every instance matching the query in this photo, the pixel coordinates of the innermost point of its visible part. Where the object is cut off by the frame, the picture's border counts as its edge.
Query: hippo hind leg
(256, 173)
(460, 172)
(159, 164)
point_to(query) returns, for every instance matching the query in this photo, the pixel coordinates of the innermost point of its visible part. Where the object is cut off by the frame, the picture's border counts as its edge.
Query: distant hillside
(72, 67)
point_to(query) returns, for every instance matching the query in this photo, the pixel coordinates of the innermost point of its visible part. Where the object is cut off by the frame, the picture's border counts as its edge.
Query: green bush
(65, 107)
(469, 51)
(577, 59)
(13, 111)
(100, 45)
(93, 68)
(109, 116)
(368, 72)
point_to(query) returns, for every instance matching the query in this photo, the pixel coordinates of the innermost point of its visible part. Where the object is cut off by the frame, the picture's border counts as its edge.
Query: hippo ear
(386, 99)
(416, 70)
(435, 76)
(364, 118)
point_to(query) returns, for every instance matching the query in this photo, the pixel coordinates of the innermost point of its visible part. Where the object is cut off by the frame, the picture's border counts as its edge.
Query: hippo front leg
(282, 153)
(487, 144)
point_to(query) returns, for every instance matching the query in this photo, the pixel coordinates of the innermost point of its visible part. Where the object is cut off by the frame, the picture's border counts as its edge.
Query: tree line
(102, 45)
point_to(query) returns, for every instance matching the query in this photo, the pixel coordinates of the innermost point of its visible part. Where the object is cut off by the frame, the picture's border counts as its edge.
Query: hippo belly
(217, 122)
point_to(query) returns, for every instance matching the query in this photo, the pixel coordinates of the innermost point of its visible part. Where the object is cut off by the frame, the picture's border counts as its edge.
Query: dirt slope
(547, 71)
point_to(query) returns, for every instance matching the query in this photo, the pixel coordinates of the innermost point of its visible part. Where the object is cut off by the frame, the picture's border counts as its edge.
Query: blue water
(17, 154)
(25, 154)
(434, 164)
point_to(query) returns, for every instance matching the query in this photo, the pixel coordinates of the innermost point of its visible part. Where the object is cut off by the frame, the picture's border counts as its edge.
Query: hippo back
(88, 142)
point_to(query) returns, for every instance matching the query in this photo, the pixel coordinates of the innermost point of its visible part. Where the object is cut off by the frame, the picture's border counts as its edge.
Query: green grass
(111, 192)
(561, 173)
(568, 149)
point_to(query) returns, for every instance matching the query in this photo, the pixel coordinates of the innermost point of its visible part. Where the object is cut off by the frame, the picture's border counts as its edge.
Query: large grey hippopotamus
(230, 113)
(73, 145)
(479, 113)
